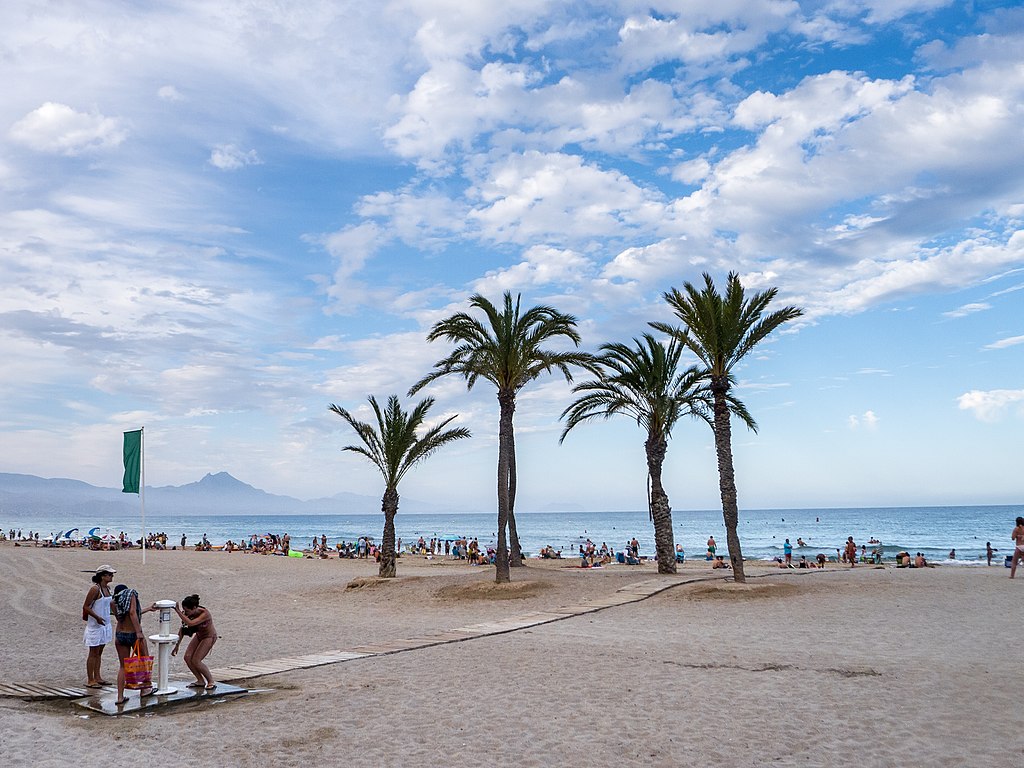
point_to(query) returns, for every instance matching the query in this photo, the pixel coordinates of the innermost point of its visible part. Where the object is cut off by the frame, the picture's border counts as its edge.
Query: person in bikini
(197, 622)
(851, 551)
(1018, 549)
(128, 633)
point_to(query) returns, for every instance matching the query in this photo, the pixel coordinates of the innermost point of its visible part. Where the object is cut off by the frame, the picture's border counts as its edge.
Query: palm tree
(645, 383)
(505, 349)
(394, 447)
(721, 331)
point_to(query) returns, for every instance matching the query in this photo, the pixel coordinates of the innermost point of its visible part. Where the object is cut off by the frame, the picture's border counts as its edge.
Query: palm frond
(394, 444)
(642, 381)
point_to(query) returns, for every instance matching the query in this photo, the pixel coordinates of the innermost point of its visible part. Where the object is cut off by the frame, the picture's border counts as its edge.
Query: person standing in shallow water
(1018, 546)
(196, 621)
(99, 629)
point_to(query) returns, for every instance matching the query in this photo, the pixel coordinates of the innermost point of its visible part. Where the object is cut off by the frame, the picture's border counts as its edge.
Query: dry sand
(867, 667)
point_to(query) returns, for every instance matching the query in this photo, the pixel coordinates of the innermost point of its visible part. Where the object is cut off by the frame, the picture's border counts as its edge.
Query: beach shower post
(163, 641)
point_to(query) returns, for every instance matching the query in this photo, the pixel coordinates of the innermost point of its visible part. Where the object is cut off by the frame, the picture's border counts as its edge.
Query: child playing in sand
(197, 622)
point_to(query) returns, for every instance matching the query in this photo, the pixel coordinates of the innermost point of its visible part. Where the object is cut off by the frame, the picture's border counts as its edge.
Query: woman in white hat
(98, 628)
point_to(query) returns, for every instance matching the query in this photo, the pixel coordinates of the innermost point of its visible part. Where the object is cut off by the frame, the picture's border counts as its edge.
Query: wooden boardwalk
(631, 593)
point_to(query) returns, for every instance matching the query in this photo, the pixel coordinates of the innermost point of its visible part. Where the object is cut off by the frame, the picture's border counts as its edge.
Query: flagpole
(142, 487)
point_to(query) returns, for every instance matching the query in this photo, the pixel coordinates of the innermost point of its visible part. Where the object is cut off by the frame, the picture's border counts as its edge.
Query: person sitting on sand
(919, 561)
(197, 622)
(719, 562)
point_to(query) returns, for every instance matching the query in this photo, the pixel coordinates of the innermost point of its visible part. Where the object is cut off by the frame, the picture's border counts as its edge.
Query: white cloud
(352, 247)
(541, 266)
(867, 421)
(1010, 341)
(169, 93)
(559, 198)
(884, 11)
(990, 405)
(702, 34)
(691, 171)
(59, 129)
(967, 309)
(228, 157)
(872, 281)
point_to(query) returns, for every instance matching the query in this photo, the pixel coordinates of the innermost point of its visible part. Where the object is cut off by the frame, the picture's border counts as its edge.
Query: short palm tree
(394, 447)
(644, 382)
(506, 349)
(721, 331)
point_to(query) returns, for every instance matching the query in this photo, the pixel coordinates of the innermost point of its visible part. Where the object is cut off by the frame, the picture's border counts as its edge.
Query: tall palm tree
(645, 383)
(394, 447)
(506, 349)
(721, 331)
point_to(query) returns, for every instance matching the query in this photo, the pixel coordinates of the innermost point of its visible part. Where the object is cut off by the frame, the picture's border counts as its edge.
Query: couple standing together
(102, 606)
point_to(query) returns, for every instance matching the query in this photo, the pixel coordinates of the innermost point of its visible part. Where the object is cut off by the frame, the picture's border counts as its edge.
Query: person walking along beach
(851, 551)
(1018, 549)
(99, 629)
(128, 634)
(197, 622)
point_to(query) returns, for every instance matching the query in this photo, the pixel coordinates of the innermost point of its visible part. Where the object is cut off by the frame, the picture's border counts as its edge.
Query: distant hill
(216, 494)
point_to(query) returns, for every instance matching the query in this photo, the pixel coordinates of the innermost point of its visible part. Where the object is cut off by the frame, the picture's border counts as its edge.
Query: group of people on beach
(116, 614)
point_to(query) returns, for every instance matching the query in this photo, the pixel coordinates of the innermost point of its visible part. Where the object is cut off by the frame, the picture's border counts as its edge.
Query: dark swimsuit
(121, 608)
(127, 639)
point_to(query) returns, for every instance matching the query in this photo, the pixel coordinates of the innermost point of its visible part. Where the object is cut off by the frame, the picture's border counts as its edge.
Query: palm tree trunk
(506, 404)
(661, 512)
(727, 479)
(389, 506)
(513, 536)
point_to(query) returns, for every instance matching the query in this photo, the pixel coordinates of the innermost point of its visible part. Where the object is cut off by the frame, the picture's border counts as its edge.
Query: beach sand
(864, 666)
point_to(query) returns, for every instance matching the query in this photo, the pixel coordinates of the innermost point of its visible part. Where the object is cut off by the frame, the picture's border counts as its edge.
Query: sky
(216, 219)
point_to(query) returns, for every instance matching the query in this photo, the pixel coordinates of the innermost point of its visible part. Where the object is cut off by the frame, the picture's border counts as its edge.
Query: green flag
(132, 461)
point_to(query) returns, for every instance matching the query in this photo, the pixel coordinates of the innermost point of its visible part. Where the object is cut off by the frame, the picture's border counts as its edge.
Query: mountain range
(23, 496)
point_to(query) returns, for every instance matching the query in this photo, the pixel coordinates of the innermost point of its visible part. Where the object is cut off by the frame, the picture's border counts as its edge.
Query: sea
(933, 531)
